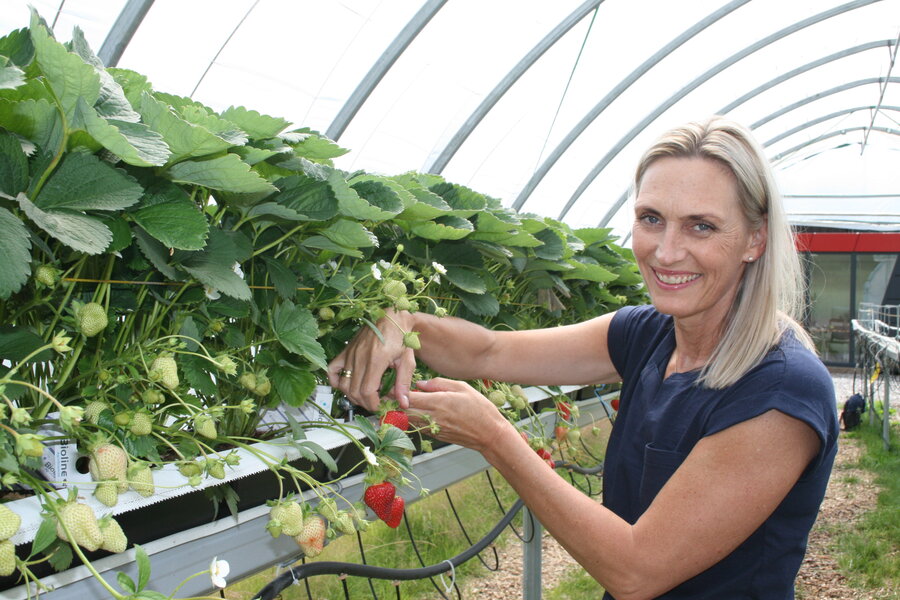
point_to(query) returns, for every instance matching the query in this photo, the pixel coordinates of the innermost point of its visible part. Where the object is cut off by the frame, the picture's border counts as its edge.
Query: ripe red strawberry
(312, 538)
(7, 558)
(81, 523)
(564, 411)
(108, 462)
(395, 515)
(615, 404)
(379, 497)
(397, 418)
(9, 522)
(560, 432)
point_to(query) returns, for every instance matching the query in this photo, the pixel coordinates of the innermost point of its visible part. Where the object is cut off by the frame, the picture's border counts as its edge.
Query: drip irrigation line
(468, 539)
(362, 555)
(415, 547)
(306, 570)
(503, 510)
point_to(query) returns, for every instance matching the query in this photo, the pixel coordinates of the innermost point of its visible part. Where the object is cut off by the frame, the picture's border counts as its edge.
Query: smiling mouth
(675, 279)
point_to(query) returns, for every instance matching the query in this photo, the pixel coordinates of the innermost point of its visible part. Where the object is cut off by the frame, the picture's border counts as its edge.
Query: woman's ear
(758, 240)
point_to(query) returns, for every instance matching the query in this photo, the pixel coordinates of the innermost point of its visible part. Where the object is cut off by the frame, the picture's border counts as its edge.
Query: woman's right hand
(358, 370)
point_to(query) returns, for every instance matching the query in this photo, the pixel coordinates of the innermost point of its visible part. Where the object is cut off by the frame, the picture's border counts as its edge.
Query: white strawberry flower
(218, 571)
(439, 268)
(376, 272)
(384, 264)
(211, 292)
(370, 456)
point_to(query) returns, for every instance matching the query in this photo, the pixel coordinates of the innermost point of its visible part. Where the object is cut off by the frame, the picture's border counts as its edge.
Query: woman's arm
(571, 354)
(728, 485)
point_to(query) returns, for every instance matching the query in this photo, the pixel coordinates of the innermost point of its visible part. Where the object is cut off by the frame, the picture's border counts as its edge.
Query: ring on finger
(346, 373)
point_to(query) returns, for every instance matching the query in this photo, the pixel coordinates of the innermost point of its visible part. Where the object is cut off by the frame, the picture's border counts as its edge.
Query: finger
(404, 367)
(440, 384)
(335, 367)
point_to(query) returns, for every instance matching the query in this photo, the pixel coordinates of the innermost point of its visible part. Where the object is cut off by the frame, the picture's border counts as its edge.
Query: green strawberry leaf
(553, 248)
(321, 453)
(35, 119)
(255, 124)
(150, 595)
(589, 272)
(228, 173)
(427, 206)
(84, 182)
(143, 563)
(350, 233)
(15, 247)
(13, 166)
(496, 222)
(292, 384)
(156, 253)
(366, 427)
(173, 219)
(519, 238)
(134, 143)
(46, 535)
(378, 193)
(351, 205)
(323, 243)
(76, 230)
(125, 582)
(11, 76)
(463, 201)
(483, 305)
(296, 428)
(313, 146)
(466, 279)
(61, 556)
(184, 139)
(196, 372)
(397, 439)
(16, 45)
(133, 84)
(313, 200)
(71, 79)
(296, 329)
(214, 266)
(282, 278)
(18, 342)
(596, 235)
(448, 227)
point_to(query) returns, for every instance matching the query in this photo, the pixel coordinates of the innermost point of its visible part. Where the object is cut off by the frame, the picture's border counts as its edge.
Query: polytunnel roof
(544, 105)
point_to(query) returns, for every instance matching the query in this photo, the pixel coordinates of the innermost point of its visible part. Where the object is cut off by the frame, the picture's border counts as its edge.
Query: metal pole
(531, 556)
(886, 414)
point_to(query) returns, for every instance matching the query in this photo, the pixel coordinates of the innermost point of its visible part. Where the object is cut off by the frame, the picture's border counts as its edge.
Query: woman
(726, 432)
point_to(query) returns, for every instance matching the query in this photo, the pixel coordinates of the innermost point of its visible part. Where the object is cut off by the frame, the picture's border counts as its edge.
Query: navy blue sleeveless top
(660, 420)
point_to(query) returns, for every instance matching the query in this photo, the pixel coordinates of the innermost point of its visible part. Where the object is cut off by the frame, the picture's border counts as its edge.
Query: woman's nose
(670, 247)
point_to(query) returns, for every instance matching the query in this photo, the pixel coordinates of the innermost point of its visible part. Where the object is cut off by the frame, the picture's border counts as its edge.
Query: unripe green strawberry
(393, 289)
(9, 522)
(274, 528)
(91, 319)
(574, 436)
(402, 303)
(46, 275)
(344, 523)
(165, 370)
(205, 426)
(107, 492)
(93, 409)
(411, 340)
(328, 509)
(290, 515)
(326, 314)
(312, 538)
(190, 469)
(114, 539)
(7, 558)
(263, 386)
(141, 423)
(122, 419)
(248, 380)
(30, 444)
(81, 523)
(152, 397)
(497, 398)
(215, 468)
(108, 462)
(140, 478)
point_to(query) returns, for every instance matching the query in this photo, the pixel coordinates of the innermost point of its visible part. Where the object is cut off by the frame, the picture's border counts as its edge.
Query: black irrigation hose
(415, 547)
(468, 539)
(500, 504)
(294, 574)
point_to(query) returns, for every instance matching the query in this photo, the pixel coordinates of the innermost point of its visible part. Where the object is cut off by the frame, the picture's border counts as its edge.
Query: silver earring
(749, 259)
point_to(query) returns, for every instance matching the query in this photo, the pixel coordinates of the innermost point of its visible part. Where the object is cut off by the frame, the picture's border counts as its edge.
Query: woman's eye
(704, 227)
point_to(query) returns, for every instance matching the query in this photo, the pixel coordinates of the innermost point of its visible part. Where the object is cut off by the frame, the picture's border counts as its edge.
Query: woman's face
(690, 238)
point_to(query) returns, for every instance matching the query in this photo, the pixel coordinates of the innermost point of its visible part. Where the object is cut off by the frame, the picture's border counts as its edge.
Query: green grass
(576, 584)
(438, 537)
(869, 554)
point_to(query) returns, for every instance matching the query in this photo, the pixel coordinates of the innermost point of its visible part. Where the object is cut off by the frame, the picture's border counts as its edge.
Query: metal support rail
(244, 542)
(878, 342)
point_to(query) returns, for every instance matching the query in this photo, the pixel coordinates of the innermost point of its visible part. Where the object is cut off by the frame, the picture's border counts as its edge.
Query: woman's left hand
(463, 416)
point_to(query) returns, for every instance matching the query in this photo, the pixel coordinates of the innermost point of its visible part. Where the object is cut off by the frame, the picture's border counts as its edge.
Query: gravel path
(850, 494)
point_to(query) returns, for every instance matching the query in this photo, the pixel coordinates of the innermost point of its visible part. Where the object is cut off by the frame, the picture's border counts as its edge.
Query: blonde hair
(770, 299)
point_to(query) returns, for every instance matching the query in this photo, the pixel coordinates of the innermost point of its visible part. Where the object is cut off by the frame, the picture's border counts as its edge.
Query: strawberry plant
(173, 273)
